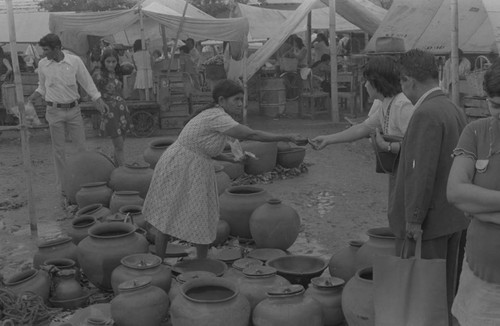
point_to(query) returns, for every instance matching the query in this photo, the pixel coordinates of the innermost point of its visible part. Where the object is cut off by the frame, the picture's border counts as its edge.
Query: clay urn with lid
(328, 292)
(343, 263)
(93, 193)
(132, 176)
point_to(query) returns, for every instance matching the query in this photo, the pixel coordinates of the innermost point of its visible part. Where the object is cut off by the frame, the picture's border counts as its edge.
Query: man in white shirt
(59, 74)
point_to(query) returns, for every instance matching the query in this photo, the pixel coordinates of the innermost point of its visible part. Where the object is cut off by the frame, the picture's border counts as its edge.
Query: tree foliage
(85, 5)
(215, 8)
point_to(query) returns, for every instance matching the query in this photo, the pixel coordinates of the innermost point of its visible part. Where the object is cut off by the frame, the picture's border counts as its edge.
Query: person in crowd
(300, 52)
(321, 73)
(115, 123)
(194, 53)
(182, 200)
(6, 71)
(344, 46)
(474, 188)
(419, 206)
(59, 75)
(464, 68)
(321, 47)
(188, 66)
(144, 77)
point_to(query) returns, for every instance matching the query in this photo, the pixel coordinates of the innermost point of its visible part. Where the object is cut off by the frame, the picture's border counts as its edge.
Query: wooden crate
(172, 122)
(175, 110)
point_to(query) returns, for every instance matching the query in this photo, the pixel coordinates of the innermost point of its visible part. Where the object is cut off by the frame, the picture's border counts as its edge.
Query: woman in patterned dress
(115, 123)
(182, 200)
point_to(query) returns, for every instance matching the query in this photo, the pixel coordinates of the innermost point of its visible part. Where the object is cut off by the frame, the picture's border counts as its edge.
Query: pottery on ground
(124, 198)
(232, 169)
(181, 279)
(200, 264)
(357, 299)
(80, 227)
(298, 269)
(292, 157)
(132, 176)
(156, 148)
(33, 280)
(266, 154)
(235, 272)
(62, 247)
(93, 193)
(381, 242)
(96, 210)
(223, 180)
(66, 287)
(343, 263)
(223, 231)
(134, 212)
(328, 292)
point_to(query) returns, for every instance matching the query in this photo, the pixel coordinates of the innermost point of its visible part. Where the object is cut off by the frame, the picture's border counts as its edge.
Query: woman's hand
(381, 143)
(320, 142)
(297, 139)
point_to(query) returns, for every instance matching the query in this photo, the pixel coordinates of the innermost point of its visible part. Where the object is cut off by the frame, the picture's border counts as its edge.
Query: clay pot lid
(94, 184)
(243, 263)
(259, 271)
(327, 282)
(274, 201)
(141, 261)
(381, 233)
(194, 275)
(228, 255)
(266, 254)
(126, 193)
(286, 290)
(137, 165)
(137, 283)
(356, 243)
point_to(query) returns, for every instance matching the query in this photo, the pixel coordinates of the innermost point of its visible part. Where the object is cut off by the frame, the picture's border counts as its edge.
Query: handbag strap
(386, 117)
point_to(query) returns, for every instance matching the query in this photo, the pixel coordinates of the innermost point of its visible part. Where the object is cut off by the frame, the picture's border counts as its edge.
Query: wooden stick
(245, 87)
(333, 65)
(174, 47)
(22, 121)
(308, 39)
(455, 87)
(143, 43)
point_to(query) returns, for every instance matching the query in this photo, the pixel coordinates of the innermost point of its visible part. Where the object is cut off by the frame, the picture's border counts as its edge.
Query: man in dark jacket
(419, 203)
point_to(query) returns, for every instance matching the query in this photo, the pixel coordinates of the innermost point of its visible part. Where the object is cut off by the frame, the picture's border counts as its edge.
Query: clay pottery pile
(96, 210)
(124, 198)
(266, 154)
(62, 247)
(85, 167)
(291, 157)
(132, 176)
(343, 263)
(33, 280)
(66, 287)
(298, 269)
(328, 292)
(61, 264)
(139, 265)
(134, 212)
(232, 169)
(200, 264)
(237, 205)
(139, 303)
(80, 227)
(274, 225)
(210, 301)
(223, 180)
(235, 272)
(101, 252)
(357, 299)
(287, 305)
(223, 230)
(94, 193)
(186, 277)
(155, 150)
(381, 242)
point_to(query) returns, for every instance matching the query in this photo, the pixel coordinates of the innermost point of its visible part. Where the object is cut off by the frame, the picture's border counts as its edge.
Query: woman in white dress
(144, 77)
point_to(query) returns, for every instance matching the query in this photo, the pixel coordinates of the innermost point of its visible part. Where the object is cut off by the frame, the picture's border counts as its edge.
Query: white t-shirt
(399, 115)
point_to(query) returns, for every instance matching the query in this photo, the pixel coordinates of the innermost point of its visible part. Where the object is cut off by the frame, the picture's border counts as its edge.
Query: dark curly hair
(50, 40)
(420, 65)
(491, 82)
(110, 53)
(383, 73)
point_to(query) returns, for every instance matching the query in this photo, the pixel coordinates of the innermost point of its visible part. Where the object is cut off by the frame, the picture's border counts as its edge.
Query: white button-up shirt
(57, 81)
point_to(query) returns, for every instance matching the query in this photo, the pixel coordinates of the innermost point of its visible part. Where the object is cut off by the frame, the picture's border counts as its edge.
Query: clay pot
(343, 263)
(223, 230)
(328, 292)
(274, 225)
(124, 198)
(80, 227)
(132, 176)
(381, 242)
(292, 157)
(101, 252)
(266, 154)
(61, 263)
(93, 193)
(138, 265)
(155, 150)
(85, 167)
(237, 205)
(93, 321)
(235, 272)
(257, 281)
(66, 286)
(357, 299)
(135, 214)
(283, 146)
(37, 281)
(233, 170)
(223, 180)
(62, 247)
(186, 277)
(287, 305)
(96, 210)
(139, 303)
(210, 301)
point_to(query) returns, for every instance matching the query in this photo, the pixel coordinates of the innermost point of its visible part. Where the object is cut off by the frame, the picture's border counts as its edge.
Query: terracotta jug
(210, 301)
(237, 205)
(236, 271)
(80, 227)
(381, 241)
(62, 247)
(274, 225)
(124, 198)
(101, 252)
(33, 280)
(66, 287)
(137, 265)
(232, 169)
(94, 193)
(132, 176)
(287, 305)
(181, 279)
(266, 154)
(223, 231)
(343, 263)
(223, 180)
(357, 299)
(139, 303)
(96, 210)
(135, 214)
(328, 292)
(85, 167)
(257, 281)
(156, 148)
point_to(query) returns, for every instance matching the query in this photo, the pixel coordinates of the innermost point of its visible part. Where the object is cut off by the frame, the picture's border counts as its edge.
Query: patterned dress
(117, 121)
(182, 199)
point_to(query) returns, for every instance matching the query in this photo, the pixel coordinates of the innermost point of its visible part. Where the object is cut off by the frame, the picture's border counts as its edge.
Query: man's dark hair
(383, 74)
(420, 65)
(50, 40)
(491, 82)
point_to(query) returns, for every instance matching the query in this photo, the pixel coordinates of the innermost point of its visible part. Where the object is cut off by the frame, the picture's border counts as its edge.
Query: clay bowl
(298, 269)
(208, 265)
(71, 304)
(292, 157)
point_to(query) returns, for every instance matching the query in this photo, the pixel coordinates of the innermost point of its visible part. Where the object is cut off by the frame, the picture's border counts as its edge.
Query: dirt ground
(338, 199)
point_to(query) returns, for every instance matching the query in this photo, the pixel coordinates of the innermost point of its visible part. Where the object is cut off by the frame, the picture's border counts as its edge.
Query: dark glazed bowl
(298, 269)
(292, 157)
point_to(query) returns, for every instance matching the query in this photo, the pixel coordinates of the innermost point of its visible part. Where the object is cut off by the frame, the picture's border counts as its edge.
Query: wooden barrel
(9, 96)
(272, 97)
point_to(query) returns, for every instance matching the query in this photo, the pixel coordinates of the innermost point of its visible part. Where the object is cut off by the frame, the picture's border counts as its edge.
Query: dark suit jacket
(424, 165)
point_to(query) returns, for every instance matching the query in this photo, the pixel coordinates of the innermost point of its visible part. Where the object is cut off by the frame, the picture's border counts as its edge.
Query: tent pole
(143, 42)
(245, 87)
(174, 47)
(333, 65)
(308, 39)
(455, 87)
(22, 121)
(163, 31)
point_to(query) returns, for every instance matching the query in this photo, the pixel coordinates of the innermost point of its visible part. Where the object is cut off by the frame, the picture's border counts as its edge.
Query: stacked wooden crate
(173, 100)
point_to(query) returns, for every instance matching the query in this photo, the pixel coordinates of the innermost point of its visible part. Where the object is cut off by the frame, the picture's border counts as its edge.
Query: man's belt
(63, 105)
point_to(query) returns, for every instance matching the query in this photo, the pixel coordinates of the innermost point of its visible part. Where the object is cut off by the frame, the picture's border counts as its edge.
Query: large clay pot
(328, 292)
(80, 227)
(155, 150)
(287, 305)
(139, 303)
(357, 299)
(33, 280)
(233, 170)
(138, 265)
(266, 156)
(62, 247)
(235, 272)
(381, 242)
(101, 252)
(66, 286)
(96, 210)
(237, 205)
(210, 302)
(292, 157)
(132, 176)
(181, 279)
(135, 213)
(94, 193)
(223, 230)
(223, 180)
(343, 263)
(85, 167)
(124, 198)
(274, 225)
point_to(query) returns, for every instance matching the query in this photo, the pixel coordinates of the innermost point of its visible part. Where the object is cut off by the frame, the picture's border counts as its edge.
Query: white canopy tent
(30, 27)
